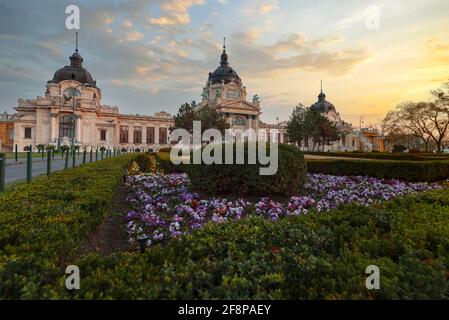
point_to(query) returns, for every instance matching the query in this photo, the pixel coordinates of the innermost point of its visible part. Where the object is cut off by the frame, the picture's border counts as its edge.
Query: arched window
(238, 121)
(69, 92)
(233, 94)
(66, 126)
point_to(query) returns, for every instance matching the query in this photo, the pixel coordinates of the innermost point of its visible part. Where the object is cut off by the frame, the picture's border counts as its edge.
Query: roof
(74, 71)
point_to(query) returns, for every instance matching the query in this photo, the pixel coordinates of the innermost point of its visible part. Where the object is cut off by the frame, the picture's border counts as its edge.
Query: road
(16, 172)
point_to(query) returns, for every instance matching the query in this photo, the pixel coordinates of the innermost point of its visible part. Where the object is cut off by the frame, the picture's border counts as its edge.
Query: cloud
(310, 55)
(255, 8)
(134, 36)
(127, 24)
(175, 12)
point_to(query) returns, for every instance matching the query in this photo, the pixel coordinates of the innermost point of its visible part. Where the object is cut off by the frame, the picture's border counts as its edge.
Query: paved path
(16, 171)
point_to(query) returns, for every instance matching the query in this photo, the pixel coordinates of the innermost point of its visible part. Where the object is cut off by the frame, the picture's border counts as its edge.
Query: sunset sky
(149, 56)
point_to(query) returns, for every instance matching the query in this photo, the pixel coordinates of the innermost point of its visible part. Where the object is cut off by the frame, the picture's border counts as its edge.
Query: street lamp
(67, 98)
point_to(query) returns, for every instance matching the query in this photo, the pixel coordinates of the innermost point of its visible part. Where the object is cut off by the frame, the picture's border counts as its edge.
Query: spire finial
(76, 47)
(321, 86)
(224, 43)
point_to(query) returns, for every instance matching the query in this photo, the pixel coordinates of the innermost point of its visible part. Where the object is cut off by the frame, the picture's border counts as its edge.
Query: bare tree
(429, 121)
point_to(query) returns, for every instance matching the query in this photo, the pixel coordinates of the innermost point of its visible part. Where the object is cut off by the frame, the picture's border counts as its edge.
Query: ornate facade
(225, 93)
(72, 109)
(351, 139)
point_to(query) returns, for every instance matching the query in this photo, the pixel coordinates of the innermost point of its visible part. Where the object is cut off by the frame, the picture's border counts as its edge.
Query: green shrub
(44, 223)
(144, 161)
(315, 256)
(165, 165)
(382, 155)
(399, 148)
(239, 179)
(403, 170)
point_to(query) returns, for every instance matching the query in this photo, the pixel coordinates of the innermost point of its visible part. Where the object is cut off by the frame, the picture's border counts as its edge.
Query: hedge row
(44, 223)
(245, 179)
(383, 155)
(403, 170)
(316, 256)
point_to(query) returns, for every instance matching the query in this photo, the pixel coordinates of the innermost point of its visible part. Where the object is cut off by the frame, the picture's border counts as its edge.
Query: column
(78, 128)
(144, 135)
(156, 135)
(53, 127)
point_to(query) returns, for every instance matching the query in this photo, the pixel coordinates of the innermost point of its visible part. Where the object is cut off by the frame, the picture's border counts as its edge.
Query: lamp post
(74, 116)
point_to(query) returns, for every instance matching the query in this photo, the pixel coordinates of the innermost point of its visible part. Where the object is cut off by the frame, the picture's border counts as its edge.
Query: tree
(320, 129)
(404, 123)
(209, 118)
(427, 120)
(295, 125)
(184, 118)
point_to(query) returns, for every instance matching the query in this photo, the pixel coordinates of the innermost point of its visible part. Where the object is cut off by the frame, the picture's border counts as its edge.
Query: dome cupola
(322, 106)
(74, 71)
(224, 73)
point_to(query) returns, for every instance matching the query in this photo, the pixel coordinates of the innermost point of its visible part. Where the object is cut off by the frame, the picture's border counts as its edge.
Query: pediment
(239, 104)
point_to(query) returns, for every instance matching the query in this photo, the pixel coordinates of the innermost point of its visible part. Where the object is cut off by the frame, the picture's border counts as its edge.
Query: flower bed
(163, 207)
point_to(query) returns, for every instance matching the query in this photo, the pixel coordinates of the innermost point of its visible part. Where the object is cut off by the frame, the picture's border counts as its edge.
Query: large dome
(323, 106)
(74, 71)
(224, 72)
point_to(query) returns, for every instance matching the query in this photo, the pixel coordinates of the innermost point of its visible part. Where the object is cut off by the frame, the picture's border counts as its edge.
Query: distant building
(52, 120)
(6, 131)
(366, 139)
(225, 92)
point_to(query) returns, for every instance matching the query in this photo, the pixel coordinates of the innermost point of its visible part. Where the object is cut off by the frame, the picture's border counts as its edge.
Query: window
(162, 135)
(238, 121)
(123, 134)
(11, 134)
(137, 135)
(27, 133)
(232, 94)
(103, 135)
(150, 135)
(69, 92)
(66, 126)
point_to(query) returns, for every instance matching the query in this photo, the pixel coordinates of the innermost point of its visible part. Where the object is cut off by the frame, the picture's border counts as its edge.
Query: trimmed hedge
(316, 256)
(382, 155)
(43, 224)
(403, 170)
(164, 164)
(245, 179)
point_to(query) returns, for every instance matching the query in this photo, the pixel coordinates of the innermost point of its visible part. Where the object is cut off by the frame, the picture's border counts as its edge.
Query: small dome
(74, 71)
(322, 106)
(224, 72)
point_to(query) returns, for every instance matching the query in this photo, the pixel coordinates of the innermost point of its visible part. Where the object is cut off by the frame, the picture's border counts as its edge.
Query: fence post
(48, 162)
(16, 153)
(73, 158)
(102, 154)
(29, 165)
(66, 165)
(2, 171)
(90, 154)
(96, 155)
(84, 156)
